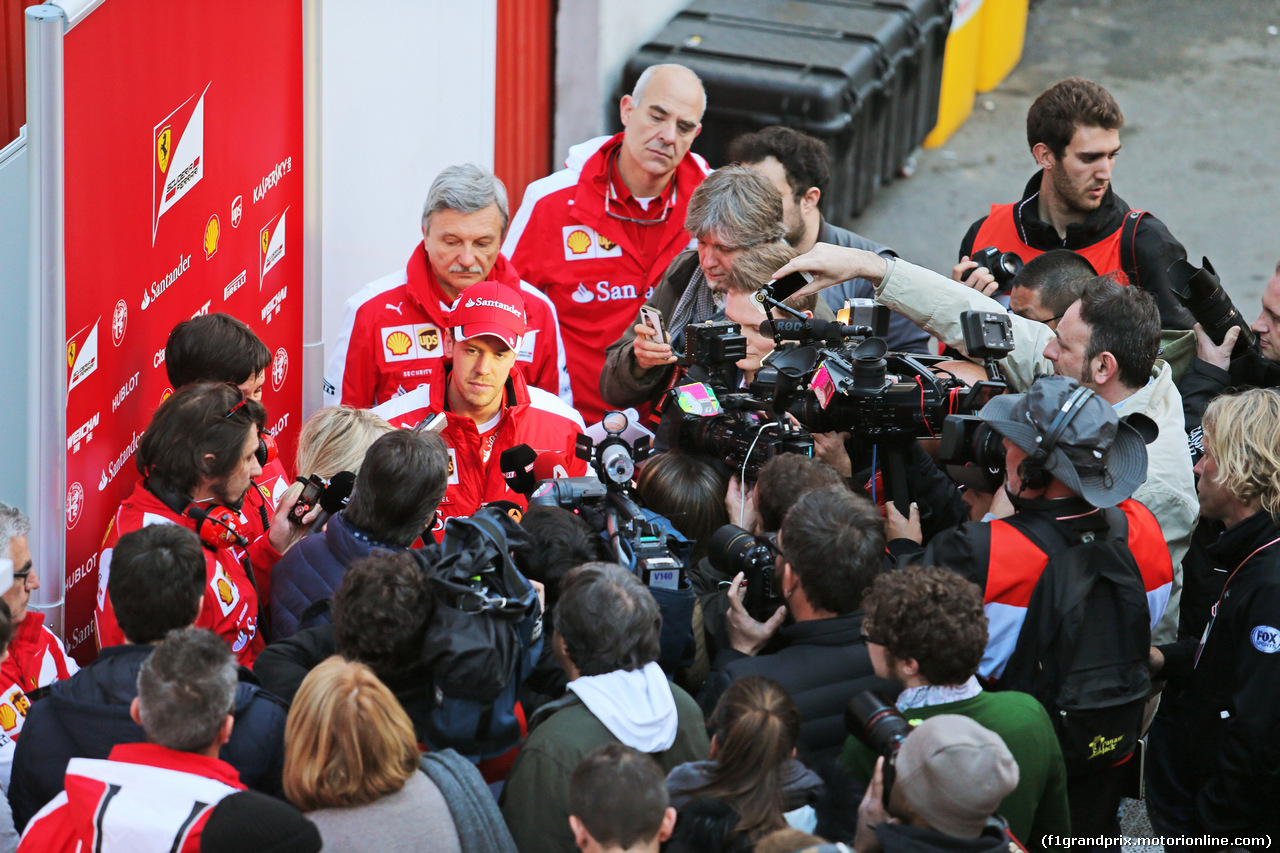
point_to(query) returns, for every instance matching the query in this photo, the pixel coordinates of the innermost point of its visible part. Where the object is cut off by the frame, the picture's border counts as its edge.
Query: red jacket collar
(588, 201)
(154, 755)
(427, 294)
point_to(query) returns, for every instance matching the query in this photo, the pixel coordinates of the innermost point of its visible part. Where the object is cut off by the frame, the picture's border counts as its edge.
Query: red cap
(489, 308)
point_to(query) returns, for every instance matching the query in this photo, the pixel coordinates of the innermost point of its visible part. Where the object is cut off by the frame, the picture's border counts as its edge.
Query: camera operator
(1108, 341)
(800, 167)
(830, 549)
(1217, 367)
(1073, 131)
(951, 775)
(1215, 745)
(1068, 460)
(926, 629)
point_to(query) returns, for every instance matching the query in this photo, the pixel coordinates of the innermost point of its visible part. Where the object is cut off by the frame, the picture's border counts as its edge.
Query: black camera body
(1003, 266)
(880, 726)
(741, 445)
(733, 550)
(1201, 293)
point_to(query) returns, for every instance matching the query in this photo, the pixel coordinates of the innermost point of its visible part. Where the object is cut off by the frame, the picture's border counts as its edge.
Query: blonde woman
(351, 764)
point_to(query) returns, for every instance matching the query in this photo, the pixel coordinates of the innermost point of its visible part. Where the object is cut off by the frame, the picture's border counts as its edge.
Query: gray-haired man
(165, 788)
(733, 210)
(395, 331)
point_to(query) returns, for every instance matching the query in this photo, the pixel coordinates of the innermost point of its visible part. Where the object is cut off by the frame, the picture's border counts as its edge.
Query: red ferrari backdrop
(184, 194)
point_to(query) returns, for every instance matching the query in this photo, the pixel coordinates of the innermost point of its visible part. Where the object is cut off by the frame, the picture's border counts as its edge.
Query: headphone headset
(217, 526)
(267, 450)
(1033, 470)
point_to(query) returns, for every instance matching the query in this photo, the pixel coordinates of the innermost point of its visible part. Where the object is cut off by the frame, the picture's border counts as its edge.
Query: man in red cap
(487, 405)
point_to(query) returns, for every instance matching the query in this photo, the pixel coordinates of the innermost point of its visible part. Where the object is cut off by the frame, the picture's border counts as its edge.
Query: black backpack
(1083, 649)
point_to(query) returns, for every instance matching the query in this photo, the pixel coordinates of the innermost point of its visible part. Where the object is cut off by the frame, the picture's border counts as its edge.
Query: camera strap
(1129, 252)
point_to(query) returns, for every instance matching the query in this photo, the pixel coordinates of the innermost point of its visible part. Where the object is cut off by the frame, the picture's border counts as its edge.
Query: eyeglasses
(667, 206)
(237, 407)
(868, 637)
(22, 575)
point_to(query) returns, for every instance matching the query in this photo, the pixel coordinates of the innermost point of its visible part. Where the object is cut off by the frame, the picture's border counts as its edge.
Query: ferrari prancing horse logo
(164, 149)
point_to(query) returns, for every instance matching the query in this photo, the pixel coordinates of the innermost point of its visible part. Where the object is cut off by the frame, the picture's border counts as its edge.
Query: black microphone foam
(516, 464)
(335, 496)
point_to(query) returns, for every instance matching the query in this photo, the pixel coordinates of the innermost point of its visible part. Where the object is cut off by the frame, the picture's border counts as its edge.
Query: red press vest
(1000, 229)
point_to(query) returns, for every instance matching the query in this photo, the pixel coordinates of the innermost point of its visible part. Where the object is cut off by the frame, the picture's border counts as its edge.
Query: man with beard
(1073, 130)
(197, 458)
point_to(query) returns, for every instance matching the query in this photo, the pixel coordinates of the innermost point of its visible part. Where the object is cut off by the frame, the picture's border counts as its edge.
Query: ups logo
(605, 242)
(429, 338)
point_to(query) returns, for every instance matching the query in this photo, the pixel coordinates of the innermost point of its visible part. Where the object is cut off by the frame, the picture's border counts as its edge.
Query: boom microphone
(334, 498)
(518, 468)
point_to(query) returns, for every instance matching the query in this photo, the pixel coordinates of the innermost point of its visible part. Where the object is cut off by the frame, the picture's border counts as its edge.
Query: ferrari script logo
(164, 149)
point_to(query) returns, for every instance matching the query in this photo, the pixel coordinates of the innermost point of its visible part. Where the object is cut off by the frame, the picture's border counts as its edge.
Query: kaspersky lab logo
(178, 146)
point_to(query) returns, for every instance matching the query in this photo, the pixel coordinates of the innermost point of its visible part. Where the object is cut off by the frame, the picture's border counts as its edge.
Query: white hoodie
(636, 707)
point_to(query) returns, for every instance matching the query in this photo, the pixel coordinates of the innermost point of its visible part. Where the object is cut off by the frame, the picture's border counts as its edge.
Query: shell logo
(224, 591)
(212, 230)
(399, 343)
(605, 242)
(578, 242)
(168, 392)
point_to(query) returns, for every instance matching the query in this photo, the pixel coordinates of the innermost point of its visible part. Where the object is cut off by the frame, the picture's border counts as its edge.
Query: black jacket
(1202, 382)
(88, 714)
(1154, 246)
(822, 663)
(1232, 696)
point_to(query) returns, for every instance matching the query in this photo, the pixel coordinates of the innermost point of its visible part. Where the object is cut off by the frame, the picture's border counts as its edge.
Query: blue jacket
(312, 571)
(88, 714)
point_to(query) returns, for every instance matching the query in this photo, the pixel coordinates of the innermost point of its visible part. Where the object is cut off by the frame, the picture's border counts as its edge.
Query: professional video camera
(642, 540)
(737, 427)
(733, 550)
(881, 727)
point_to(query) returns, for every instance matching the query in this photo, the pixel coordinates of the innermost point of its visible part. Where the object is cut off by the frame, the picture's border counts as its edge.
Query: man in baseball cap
(1071, 466)
(949, 778)
(487, 405)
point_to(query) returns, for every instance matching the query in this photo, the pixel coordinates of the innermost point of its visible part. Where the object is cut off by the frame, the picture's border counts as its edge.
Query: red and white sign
(162, 158)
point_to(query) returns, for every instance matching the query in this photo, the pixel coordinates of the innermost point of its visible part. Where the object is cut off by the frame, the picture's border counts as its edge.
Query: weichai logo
(178, 143)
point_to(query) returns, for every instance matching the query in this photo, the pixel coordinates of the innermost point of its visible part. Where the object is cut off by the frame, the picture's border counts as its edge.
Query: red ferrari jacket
(230, 598)
(145, 798)
(395, 337)
(36, 659)
(530, 416)
(591, 264)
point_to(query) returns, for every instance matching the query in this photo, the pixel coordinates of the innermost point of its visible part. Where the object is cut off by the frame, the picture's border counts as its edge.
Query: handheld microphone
(552, 465)
(334, 498)
(518, 465)
(821, 330)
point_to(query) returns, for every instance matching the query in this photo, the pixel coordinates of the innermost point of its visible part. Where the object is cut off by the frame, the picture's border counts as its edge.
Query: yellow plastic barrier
(1004, 28)
(959, 71)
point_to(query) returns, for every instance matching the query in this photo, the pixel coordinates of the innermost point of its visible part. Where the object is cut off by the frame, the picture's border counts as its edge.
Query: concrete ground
(1197, 82)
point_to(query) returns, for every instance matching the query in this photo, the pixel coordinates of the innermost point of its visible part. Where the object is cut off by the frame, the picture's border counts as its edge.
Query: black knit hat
(248, 820)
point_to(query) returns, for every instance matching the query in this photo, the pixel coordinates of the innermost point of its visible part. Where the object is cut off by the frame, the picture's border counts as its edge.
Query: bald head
(660, 118)
(672, 75)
